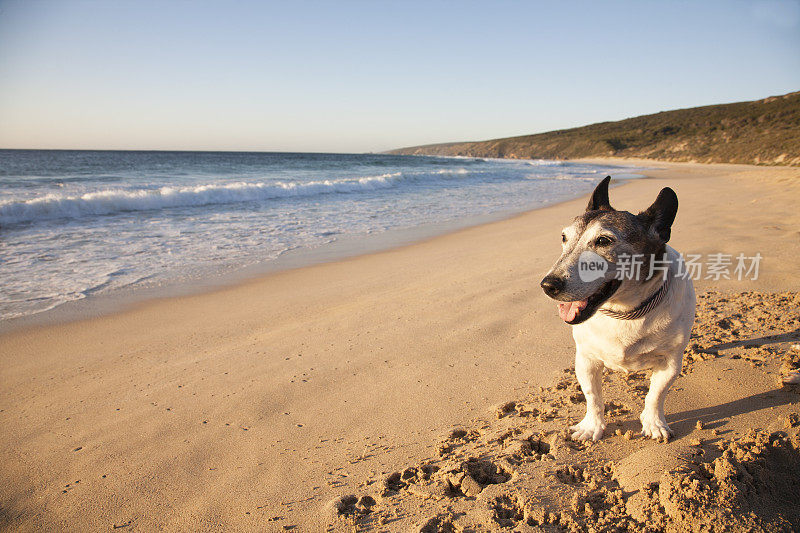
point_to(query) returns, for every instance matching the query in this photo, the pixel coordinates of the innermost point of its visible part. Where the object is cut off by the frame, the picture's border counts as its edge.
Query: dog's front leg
(654, 424)
(590, 377)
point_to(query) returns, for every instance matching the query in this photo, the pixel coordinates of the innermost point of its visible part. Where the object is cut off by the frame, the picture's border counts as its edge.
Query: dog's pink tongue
(569, 310)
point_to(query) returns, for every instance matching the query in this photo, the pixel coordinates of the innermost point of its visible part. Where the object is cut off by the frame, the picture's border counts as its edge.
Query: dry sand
(255, 406)
(734, 464)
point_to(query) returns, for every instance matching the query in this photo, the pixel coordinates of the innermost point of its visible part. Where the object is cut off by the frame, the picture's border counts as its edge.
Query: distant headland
(762, 132)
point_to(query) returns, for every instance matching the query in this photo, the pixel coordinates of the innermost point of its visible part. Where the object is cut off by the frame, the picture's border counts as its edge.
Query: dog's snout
(552, 285)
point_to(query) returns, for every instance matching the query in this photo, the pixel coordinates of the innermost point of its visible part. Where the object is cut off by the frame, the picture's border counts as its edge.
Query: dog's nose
(552, 285)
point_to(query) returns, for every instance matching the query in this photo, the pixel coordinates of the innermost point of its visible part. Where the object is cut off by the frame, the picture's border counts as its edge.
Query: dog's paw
(590, 428)
(655, 427)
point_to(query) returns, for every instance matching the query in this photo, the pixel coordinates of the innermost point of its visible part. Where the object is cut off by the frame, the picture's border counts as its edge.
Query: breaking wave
(108, 202)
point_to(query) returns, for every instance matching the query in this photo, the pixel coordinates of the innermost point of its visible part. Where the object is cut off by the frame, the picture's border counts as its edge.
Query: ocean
(74, 224)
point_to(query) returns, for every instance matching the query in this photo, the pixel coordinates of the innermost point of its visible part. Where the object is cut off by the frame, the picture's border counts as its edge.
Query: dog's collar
(643, 308)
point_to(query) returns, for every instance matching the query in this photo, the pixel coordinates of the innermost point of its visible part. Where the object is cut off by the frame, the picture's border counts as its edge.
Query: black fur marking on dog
(635, 230)
(599, 199)
(661, 214)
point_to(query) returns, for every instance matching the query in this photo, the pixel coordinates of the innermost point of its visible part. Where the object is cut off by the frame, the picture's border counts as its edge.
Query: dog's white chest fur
(630, 345)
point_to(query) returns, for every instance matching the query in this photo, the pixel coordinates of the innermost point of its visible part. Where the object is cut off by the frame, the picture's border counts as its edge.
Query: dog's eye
(603, 241)
(563, 237)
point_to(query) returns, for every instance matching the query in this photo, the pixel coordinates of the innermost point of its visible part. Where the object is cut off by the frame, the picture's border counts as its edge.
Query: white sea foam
(106, 202)
(545, 163)
(456, 171)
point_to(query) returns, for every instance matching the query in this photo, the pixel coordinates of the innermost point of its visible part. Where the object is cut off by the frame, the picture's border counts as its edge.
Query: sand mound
(753, 485)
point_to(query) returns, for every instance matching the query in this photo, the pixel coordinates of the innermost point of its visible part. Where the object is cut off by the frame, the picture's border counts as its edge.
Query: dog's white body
(655, 341)
(624, 323)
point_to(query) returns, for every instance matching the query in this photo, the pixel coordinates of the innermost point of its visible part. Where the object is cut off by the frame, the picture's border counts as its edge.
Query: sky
(343, 76)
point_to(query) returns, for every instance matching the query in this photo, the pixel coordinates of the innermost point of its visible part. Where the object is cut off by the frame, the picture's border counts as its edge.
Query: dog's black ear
(661, 214)
(599, 199)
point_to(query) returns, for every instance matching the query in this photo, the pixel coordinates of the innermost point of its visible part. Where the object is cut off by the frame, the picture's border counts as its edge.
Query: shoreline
(271, 397)
(346, 247)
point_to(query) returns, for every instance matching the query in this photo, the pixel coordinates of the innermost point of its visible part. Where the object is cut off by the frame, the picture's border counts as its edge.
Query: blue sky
(372, 75)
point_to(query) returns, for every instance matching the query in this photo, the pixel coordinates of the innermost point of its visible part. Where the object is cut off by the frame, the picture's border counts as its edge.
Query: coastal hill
(765, 132)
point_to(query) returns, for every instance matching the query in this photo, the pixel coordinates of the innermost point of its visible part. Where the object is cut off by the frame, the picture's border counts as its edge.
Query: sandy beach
(255, 406)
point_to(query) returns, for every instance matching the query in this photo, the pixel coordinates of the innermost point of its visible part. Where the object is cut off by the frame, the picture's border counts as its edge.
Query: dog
(639, 320)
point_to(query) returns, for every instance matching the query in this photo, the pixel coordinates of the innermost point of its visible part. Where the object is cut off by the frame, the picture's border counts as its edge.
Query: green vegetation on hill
(763, 132)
